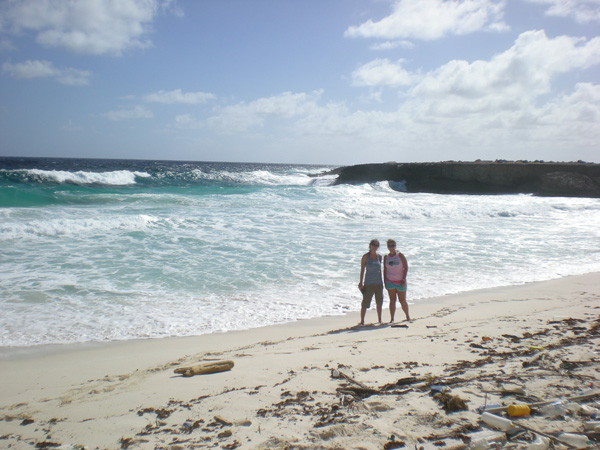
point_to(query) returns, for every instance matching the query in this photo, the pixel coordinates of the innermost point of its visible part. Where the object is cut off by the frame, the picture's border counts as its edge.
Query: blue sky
(301, 81)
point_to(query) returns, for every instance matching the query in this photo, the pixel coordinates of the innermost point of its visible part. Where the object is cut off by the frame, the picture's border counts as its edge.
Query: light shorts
(368, 292)
(397, 286)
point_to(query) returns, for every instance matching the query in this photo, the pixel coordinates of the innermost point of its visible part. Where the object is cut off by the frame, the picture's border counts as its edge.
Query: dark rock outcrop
(569, 183)
(481, 177)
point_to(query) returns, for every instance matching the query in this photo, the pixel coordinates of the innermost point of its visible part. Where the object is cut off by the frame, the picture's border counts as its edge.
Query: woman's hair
(373, 242)
(391, 241)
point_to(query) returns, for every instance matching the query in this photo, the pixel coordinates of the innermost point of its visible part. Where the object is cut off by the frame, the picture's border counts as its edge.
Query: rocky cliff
(481, 177)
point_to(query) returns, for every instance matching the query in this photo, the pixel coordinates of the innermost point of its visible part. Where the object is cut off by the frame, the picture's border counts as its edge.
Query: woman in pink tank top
(395, 268)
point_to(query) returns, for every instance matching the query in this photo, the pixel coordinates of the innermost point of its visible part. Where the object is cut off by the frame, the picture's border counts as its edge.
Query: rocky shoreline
(573, 179)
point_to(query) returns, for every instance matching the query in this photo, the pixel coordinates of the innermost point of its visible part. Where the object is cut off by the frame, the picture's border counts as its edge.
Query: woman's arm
(384, 267)
(405, 264)
(363, 263)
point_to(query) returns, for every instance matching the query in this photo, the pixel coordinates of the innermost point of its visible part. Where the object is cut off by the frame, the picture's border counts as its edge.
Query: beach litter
(525, 423)
(205, 368)
(518, 410)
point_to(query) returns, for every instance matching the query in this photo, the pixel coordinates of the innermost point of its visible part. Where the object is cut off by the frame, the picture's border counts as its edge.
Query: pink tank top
(394, 269)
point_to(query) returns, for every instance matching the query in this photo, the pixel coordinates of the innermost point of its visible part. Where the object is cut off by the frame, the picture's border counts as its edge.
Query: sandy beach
(323, 383)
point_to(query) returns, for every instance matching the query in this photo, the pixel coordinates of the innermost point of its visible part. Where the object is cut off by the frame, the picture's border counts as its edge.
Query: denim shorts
(397, 286)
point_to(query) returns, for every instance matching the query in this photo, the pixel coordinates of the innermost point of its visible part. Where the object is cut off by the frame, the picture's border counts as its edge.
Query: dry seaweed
(451, 403)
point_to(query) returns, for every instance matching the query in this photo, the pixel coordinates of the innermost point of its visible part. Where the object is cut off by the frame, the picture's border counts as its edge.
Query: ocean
(105, 250)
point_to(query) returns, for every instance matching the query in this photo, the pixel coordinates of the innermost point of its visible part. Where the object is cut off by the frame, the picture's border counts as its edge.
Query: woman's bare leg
(403, 303)
(392, 295)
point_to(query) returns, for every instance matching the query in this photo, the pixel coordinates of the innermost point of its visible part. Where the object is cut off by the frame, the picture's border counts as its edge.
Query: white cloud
(176, 96)
(381, 72)
(82, 26)
(73, 77)
(137, 112)
(44, 69)
(505, 105)
(390, 45)
(515, 77)
(504, 102)
(579, 110)
(335, 119)
(246, 115)
(433, 19)
(581, 10)
(30, 69)
(171, 6)
(373, 96)
(183, 120)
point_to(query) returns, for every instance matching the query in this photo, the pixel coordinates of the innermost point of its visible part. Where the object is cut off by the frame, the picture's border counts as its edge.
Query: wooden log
(206, 368)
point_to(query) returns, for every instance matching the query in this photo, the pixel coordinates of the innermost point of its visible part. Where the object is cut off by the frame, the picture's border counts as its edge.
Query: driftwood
(206, 368)
(339, 374)
(361, 391)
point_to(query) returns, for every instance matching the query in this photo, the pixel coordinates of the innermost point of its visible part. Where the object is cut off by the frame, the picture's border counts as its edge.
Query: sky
(301, 81)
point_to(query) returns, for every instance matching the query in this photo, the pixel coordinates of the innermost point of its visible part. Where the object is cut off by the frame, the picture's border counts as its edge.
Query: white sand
(281, 394)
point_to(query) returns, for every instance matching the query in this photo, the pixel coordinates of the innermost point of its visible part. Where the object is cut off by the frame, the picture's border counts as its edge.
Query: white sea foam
(263, 177)
(114, 178)
(73, 226)
(175, 262)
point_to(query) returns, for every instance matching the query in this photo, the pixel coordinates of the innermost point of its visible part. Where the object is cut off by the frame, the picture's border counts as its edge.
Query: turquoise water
(101, 250)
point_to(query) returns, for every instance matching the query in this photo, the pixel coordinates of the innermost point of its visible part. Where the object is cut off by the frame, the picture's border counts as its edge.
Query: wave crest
(81, 178)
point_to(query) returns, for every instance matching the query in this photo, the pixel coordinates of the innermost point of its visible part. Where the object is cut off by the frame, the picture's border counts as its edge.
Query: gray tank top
(372, 271)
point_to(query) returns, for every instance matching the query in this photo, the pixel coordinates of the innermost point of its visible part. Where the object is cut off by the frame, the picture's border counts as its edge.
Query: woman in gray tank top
(370, 272)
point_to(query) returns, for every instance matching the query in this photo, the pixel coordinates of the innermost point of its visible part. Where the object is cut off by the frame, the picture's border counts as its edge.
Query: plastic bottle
(591, 425)
(479, 444)
(495, 421)
(573, 407)
(539, 443)
(577, 440)
(554, 409)
(483, 440)
(518, 410)
(587, 410)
